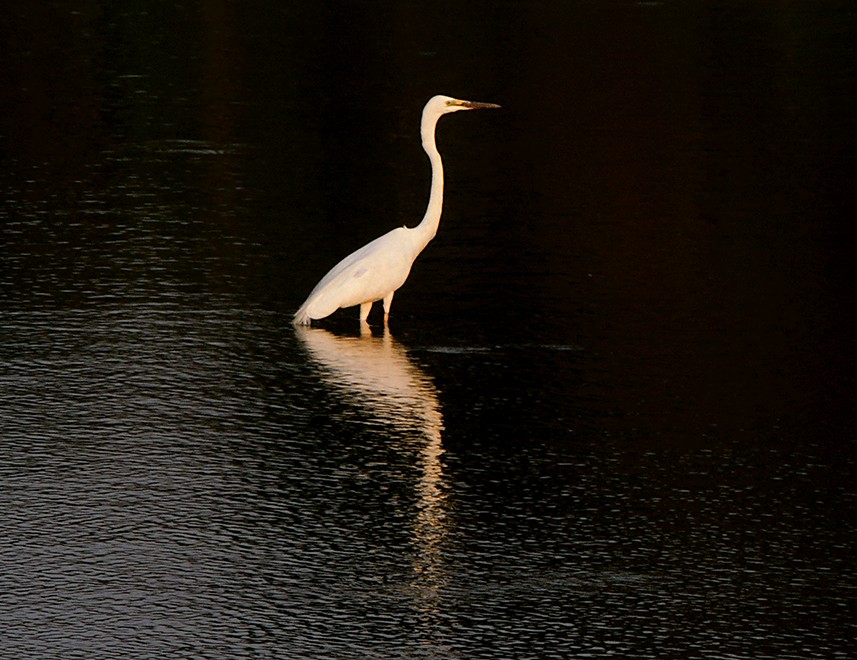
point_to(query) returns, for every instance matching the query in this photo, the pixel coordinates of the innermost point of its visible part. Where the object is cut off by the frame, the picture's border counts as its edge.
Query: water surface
(613, 414)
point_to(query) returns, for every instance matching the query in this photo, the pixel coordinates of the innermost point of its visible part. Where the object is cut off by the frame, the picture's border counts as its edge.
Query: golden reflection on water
(378, 374)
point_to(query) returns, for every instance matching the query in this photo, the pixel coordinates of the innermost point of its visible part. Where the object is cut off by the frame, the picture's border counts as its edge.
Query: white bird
(378, 269)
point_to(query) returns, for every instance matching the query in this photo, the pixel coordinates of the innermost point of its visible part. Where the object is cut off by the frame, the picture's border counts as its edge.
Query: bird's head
(441, 105)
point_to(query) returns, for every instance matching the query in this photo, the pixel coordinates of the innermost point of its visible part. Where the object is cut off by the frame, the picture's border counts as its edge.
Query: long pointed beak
(477, 105)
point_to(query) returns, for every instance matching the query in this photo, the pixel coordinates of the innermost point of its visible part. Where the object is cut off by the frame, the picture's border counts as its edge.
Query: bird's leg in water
(364, 310)
(388, 302)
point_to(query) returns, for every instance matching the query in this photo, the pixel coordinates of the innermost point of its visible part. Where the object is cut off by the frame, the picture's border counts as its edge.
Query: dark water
(614, 414)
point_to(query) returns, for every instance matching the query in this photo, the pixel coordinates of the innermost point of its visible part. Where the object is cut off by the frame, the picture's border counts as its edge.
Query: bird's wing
(346, 267)
(367, 274)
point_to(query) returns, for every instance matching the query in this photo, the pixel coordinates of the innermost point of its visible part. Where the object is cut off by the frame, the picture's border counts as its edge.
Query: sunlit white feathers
(378, 269)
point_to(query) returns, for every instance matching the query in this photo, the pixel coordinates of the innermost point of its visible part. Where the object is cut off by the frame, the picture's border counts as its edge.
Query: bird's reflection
(378, 374)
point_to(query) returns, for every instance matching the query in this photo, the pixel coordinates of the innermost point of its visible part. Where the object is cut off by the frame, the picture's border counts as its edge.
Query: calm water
(614, 414)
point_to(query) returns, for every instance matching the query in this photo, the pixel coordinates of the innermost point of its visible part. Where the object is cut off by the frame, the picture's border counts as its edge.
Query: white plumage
(378, 269)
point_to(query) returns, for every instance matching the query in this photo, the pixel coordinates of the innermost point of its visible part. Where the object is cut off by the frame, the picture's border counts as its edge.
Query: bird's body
(378, 269)
(371, 273)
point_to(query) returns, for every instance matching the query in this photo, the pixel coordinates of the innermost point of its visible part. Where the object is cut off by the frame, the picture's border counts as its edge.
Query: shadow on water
(376, 374)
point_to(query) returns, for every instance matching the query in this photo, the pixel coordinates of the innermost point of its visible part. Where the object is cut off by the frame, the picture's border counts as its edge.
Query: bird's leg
(388, 302)
(364, 311)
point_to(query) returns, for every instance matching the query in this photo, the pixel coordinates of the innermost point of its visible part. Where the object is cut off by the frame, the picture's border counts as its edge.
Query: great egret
(378, 269)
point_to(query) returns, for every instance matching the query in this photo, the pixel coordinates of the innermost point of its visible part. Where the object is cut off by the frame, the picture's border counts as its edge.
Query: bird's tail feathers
(301, 317)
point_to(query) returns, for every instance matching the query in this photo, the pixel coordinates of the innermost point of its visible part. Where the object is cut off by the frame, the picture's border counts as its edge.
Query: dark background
(636, 321)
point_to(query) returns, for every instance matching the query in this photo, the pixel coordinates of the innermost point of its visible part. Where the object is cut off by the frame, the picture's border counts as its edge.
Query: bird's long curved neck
(426, 230)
